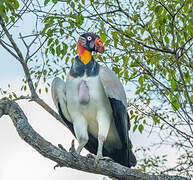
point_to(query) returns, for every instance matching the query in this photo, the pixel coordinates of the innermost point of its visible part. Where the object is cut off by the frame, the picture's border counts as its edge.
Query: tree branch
(11, 39)
(7, 49)
(20, 58)
(183, 81)
(68, 159)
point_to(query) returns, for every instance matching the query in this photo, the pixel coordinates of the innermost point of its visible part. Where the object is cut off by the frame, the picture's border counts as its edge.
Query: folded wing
(117, 97)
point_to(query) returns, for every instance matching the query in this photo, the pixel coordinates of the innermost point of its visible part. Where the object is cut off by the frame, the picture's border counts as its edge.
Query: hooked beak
(99, 45)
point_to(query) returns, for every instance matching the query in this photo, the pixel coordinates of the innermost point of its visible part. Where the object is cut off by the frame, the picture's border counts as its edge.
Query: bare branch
(7, 49)
(20, 58)
(11, 39)
(184, 84)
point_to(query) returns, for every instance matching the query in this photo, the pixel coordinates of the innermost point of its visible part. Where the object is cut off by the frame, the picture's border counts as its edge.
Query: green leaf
(54, 1)
(156, 120)
(50, 32)
(187, 77)
(46, 89)
(141, 128)
(61, 31)
(65, 47)
(115, 38)
(108, 41)
(46, 2)
(72, 5)
(103, 36)
(135, 127)
(83, 1)
(46, 52)
(56, 41)
(174, 102)
(44, 30)
(50, 40)
(192, 98)
(109, 20)
(44, 72)
(166, 39)
(140, 80)
(14, 95)
(158, 9)
(12, 18)
(10, 96)
(16, 4)
(25, 88)
(173, 85)
(6, 19)
(2, 9)
(116, 69)
(58, 52)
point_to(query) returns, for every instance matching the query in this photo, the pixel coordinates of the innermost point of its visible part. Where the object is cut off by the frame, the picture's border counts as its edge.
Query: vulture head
(91, 42)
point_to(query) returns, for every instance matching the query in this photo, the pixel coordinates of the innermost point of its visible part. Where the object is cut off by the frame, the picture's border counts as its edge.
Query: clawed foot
(99, 157)
(108, 159)
(62, 148)
(72, 149)
(92, 156)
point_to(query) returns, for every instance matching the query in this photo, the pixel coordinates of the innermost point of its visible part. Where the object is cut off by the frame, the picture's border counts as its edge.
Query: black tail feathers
(132, 159)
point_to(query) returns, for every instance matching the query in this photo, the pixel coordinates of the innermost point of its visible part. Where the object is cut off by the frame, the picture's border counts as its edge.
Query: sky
(20, 161)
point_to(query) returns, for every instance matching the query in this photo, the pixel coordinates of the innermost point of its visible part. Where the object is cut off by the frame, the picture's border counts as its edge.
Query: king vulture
(93, 105)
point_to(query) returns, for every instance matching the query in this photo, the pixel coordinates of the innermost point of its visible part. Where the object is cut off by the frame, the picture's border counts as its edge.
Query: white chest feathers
(90, 109)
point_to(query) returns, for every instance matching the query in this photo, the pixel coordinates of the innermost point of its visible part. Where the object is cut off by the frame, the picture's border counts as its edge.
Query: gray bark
(69, 159)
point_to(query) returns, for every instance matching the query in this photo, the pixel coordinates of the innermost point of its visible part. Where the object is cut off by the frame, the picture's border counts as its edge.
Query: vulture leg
(80, 128)
(103, 129)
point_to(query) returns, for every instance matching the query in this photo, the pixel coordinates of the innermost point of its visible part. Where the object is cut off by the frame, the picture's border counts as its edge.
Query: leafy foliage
(148, 45)
(8, 9)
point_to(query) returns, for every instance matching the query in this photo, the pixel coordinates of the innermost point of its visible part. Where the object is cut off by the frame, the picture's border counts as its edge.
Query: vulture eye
(89, 38)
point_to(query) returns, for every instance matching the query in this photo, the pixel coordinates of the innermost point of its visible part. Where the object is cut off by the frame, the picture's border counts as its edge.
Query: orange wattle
(84, 54)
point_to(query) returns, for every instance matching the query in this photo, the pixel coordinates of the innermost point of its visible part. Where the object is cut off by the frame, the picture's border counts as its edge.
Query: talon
(96, 161)
(56, 166)
(72, 148)
(92, 156)
(97, 158)
(61, 147)
(108, 159)
(100, 157)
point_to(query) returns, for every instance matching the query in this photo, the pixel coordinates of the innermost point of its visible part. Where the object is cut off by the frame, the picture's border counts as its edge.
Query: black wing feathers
(119, 114)
(125, 155)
